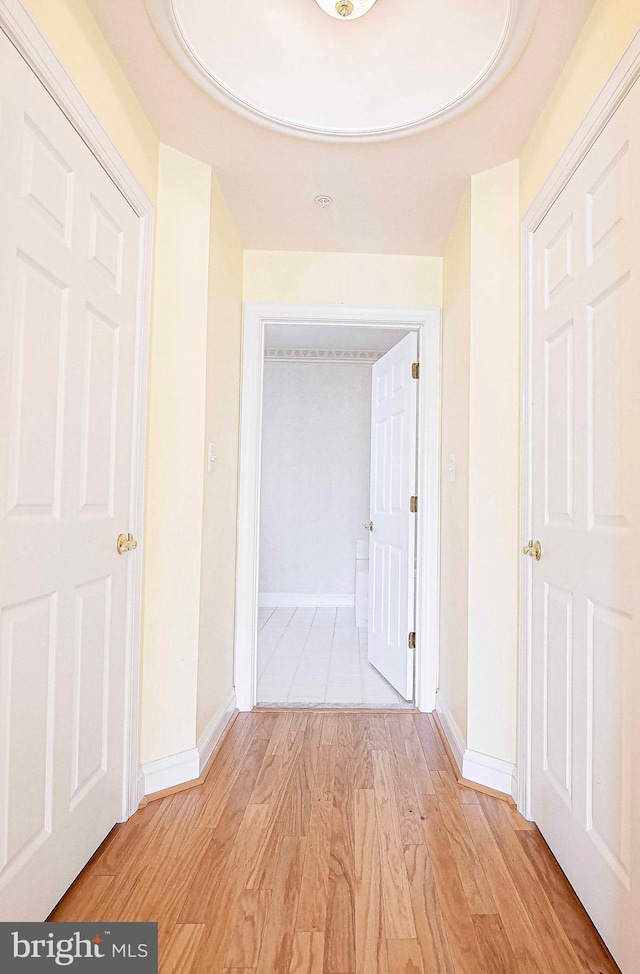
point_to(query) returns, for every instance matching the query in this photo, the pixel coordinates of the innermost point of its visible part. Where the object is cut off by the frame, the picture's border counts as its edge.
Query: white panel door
(586, 610)
(394, 403)
(68, 294)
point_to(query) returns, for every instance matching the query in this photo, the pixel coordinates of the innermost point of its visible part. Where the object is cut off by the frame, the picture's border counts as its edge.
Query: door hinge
(415, 370)
(412, 640)
(413, 505)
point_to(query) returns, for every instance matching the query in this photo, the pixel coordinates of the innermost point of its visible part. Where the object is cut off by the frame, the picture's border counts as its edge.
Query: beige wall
(73, 33)
(342, 278)
(218, 583)
(494, 393)
(175, 458)
(608, 31)
(454, 567)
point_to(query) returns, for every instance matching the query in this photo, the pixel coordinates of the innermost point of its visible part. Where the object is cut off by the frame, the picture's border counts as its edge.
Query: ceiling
(333, 337)
(389, 114)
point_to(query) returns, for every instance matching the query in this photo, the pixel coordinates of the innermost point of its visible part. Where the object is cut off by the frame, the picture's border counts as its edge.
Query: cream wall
(73, 33)
(454, 523)
(608, 31)
(272, 275)
(175, 458)
(494, 394)
(218, 582)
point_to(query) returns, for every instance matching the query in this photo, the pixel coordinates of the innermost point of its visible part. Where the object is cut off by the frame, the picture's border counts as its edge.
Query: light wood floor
(338, 843)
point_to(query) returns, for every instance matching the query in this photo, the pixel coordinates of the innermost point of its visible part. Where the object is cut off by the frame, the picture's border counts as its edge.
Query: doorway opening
(287, 651)
(321, 503)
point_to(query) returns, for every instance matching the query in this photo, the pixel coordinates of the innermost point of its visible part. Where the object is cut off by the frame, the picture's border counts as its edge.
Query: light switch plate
(212, 457)
(452, 468)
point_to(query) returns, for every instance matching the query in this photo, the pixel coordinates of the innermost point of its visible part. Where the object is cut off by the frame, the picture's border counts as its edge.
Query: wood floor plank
(529, 954)
(82, 899)
(411, 832)
(417, 761)
(555, 943)
(339, 947)
(430, 927)
(181, 949)
(314, 892)
(244, 948)
(469, 866)
(276, 950)
(398, 912)
(433, 751)
(223, 904)
(404, 957)
(362, 769)
(371, 952)
(494, 943)
(591, 952)
(338, 843)
(454, 905)
(308, 953)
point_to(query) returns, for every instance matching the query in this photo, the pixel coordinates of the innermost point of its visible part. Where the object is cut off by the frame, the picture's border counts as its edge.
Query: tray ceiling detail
(405, 66)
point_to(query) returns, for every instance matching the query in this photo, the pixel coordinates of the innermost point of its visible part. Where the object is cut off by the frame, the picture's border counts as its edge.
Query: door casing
(23, 32)
(427, 323)
(616, 88)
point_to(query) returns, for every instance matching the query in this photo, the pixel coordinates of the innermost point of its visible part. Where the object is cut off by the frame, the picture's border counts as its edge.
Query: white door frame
(615, 89)
(23, 32)
(427, 323)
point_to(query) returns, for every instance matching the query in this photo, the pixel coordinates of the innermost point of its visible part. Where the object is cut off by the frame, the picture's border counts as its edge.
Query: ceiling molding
(518, 27)
(328, 356)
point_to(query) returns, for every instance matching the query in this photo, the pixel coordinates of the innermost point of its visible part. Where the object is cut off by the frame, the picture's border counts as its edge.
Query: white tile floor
(318, 657)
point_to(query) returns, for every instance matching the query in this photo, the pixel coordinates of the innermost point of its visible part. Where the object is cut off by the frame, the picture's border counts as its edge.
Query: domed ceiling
(389, 113)
(402, 67)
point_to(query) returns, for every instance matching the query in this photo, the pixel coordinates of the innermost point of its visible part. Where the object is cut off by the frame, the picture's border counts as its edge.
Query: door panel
(392, 545)
(586, 588)
(68, 289)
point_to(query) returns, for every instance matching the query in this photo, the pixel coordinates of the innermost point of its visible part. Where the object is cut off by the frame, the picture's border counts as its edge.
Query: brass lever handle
(369, 526)
(534, 549)
(125, 542)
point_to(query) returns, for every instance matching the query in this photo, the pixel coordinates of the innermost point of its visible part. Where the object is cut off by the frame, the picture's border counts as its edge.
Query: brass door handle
(369, 526)
(125, 542)
(534, 549)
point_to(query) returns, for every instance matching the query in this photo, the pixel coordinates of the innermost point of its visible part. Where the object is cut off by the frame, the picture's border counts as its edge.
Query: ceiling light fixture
(323, 201)
(346, 9)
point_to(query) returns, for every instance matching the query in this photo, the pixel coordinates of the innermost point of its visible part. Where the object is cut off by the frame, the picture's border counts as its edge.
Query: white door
(68, 294)
(586, 589)
(394, 404)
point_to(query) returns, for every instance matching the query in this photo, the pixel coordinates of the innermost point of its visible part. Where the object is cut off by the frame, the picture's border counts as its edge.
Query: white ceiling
(282, 62)
(335, 337)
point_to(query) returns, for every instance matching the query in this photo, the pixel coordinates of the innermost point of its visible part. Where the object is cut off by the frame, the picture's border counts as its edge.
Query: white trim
(291, 600)
(23, 32)
(214, 730)
(452, 732)
(427, 322)
(328, 356)
(171, 771)
(490, 772)
(518, 26)
(615, 89)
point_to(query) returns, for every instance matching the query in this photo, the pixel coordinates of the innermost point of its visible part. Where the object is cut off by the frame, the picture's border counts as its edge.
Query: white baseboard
(187, 765)
(215, 729)
(451, 731)
(171, 771)
(490, 772)
(288, 600)
(141, 791)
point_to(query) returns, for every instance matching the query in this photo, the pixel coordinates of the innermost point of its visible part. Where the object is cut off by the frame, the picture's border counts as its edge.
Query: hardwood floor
(338, 844)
